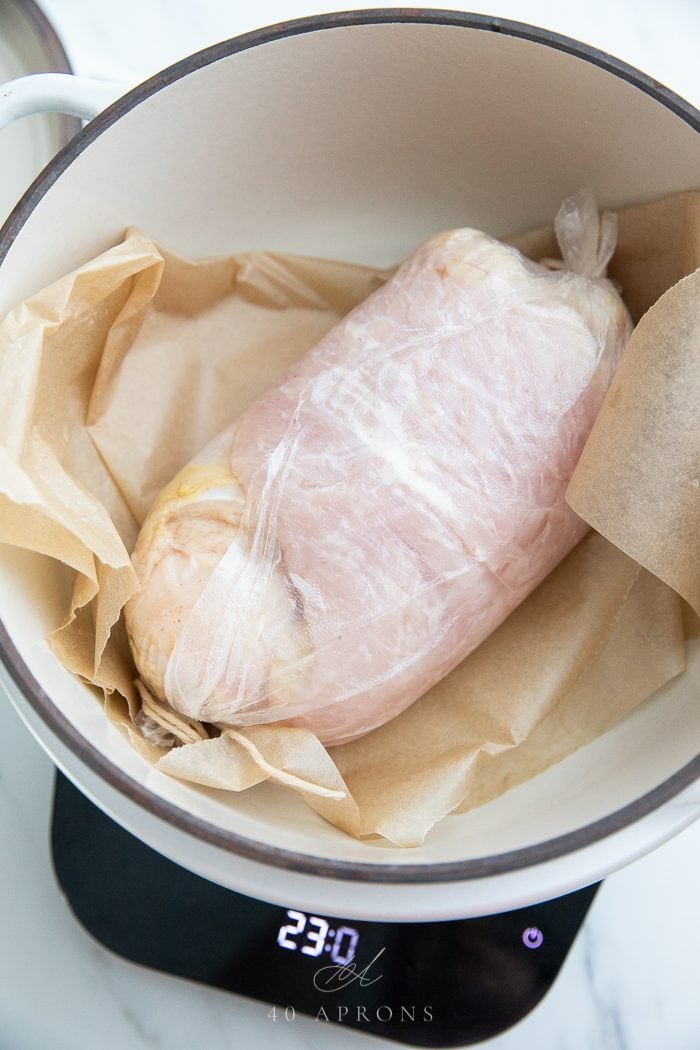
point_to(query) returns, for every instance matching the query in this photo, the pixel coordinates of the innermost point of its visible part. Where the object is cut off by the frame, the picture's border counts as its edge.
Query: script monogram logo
(335, 978)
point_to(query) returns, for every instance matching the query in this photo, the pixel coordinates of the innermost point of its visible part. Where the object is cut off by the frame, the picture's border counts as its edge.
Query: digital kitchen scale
(425, 984)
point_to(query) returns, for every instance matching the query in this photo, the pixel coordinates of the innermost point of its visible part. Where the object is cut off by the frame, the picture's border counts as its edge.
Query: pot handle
(56, 93)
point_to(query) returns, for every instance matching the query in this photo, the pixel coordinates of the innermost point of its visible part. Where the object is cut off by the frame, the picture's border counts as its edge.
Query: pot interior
(356, 142)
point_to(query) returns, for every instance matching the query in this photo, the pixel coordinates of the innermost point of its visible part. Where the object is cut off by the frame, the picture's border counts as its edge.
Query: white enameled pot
(353, 136)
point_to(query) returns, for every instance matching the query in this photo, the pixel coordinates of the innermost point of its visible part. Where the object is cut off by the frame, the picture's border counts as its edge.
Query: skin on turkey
(373, 517)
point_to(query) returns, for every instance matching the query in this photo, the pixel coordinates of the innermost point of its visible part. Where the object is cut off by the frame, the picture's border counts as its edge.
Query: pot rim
(41, 703)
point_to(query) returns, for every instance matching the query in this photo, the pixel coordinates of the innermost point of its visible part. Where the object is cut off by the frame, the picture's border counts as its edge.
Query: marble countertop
(631, 980)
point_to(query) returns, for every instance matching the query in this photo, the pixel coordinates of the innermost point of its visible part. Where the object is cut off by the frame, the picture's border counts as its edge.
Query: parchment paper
(112, 378)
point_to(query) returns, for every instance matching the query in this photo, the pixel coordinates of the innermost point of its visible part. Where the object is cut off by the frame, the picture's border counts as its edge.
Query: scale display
(341, 943)
(435, 984)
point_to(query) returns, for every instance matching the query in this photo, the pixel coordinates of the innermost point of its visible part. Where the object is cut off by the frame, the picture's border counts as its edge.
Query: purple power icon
(532, 937)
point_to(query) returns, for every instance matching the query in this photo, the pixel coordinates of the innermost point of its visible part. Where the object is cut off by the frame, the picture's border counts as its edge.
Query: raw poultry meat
(378, 513)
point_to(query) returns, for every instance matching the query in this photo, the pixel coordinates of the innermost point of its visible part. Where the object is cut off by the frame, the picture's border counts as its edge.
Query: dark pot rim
(41, 703)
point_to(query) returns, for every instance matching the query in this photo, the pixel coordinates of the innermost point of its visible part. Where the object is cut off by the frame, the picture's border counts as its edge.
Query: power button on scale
(532, 937)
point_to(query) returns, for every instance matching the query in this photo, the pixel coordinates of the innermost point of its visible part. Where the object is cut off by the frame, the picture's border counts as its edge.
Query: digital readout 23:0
(340, 943)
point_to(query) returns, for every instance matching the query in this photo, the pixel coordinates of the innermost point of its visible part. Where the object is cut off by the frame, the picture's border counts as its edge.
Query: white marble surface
(631, 981)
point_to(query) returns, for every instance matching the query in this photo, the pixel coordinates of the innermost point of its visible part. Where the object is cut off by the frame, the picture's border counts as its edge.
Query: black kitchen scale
(425, 984)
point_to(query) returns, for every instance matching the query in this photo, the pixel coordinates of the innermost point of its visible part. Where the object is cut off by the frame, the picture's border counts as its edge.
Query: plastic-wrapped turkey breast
(369, 521)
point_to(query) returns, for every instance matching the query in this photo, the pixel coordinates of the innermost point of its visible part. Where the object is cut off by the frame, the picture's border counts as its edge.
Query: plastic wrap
(373, 517)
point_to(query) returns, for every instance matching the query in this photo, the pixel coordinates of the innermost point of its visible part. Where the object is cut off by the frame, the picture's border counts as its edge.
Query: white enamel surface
(55, 93)
(305, 147)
